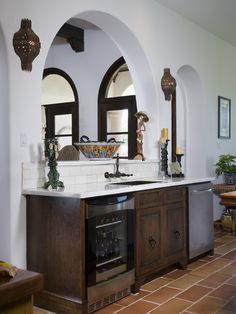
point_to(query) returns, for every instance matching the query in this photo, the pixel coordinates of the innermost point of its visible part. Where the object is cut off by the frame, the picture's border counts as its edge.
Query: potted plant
(226, 165)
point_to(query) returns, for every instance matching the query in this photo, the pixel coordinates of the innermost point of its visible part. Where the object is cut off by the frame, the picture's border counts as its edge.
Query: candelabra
(164, 159)
(51, 153)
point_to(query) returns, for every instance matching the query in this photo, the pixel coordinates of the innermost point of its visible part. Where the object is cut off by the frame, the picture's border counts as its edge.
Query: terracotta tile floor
(207, 286)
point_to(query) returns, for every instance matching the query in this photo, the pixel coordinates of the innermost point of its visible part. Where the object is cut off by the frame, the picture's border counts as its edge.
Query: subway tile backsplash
(78, 172)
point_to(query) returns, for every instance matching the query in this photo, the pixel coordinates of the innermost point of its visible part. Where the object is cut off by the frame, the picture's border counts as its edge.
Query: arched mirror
(59, 107)
(117, 108)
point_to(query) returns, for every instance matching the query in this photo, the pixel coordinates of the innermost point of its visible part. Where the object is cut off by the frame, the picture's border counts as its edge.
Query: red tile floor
(207, 286)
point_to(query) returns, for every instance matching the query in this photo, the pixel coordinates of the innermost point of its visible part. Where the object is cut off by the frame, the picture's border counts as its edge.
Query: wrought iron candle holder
(164, 159)
(51, 153)
(179, 175)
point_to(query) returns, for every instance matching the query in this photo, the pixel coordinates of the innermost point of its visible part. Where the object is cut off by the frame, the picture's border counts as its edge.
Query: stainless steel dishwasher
(200, 219)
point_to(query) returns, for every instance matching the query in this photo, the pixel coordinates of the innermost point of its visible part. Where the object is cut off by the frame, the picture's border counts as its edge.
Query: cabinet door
(175, 231)
(148, 239)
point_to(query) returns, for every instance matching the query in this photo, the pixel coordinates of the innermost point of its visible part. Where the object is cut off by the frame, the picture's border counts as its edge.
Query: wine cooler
(109, 248)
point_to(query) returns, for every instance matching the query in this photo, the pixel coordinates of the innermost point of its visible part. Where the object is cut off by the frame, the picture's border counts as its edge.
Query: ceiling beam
(74, 36)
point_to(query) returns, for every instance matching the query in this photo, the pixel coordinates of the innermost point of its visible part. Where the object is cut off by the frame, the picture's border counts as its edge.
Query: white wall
(5, 234)
(149, 40)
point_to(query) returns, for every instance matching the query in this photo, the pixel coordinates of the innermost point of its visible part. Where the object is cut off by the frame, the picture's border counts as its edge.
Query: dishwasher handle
(201, 191)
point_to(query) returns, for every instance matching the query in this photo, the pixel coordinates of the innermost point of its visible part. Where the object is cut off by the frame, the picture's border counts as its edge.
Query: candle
(164, 133)
(179, 150)
(162, 140)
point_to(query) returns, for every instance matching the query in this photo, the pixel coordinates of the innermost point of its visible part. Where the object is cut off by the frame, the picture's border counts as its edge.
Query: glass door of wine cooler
(109, 241)
(111, 245)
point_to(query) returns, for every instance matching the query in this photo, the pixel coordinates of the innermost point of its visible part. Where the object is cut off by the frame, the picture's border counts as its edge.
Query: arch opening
(126, 45)
(190, 120)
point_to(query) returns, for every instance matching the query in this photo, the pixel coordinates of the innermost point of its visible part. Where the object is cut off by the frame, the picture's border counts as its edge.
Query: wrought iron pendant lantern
(168, 84)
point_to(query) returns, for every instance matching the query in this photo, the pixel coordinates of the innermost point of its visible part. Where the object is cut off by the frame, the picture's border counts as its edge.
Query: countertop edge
(88, 190)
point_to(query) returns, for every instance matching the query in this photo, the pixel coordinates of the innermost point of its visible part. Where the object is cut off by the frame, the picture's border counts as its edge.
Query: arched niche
(191, 120)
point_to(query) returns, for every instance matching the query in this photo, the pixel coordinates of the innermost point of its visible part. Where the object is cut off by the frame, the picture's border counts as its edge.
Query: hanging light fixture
(168, 84)
(26, 44)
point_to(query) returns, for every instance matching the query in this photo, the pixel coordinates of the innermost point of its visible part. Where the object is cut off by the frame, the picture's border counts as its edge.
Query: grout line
(152, 302)
(146, 290)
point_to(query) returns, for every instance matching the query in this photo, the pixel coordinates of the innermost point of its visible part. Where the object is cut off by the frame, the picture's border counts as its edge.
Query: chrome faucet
(117, 173)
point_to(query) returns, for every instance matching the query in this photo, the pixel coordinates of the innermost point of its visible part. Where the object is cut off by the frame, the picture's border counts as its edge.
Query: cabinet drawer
(149, 198)
(174, 195)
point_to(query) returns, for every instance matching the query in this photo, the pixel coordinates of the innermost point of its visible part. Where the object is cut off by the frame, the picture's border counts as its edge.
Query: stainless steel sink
(137, 182)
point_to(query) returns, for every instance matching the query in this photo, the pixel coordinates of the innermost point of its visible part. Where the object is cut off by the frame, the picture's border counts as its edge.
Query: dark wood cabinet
(149, 239)
(56, 237)
(55, 248)
(160, 232)
(175, 232)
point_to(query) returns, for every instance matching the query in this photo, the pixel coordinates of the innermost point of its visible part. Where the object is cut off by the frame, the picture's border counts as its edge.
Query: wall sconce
(168, 84)
(26, 45)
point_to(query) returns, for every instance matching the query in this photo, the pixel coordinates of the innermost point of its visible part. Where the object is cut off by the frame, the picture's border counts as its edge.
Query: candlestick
(164, 159)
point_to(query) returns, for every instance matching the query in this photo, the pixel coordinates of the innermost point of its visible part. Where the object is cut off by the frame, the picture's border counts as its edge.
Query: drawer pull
(152, 242)
(177, 234)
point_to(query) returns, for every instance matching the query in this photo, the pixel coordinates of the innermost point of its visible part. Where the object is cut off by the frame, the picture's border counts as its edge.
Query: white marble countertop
(88, 190)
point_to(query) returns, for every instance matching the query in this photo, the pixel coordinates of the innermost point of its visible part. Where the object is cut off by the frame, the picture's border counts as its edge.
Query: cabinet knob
(152, 242)
(177, 234)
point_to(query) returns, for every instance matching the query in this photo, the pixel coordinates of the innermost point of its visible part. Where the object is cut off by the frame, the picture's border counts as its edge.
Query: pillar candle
(164, 133)
(179, 150)
(162, 140)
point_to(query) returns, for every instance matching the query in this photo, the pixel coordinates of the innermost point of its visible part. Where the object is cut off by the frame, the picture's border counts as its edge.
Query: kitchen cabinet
(55, 248)
(149, 253)
(56, 242)
(175, 232)
(160, 232)
(149, 219)
(175, 211)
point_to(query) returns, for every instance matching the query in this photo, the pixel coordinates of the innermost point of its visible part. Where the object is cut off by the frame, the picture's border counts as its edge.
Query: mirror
(86, 69)
(120, 83)
(59, 107)
(117, 108)
(56, 89)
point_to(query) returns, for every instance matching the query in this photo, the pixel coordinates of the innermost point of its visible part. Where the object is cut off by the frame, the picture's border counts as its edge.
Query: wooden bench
(16, 294)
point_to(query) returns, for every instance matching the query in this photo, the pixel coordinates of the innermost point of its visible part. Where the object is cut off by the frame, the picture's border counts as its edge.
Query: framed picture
(224, 117)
